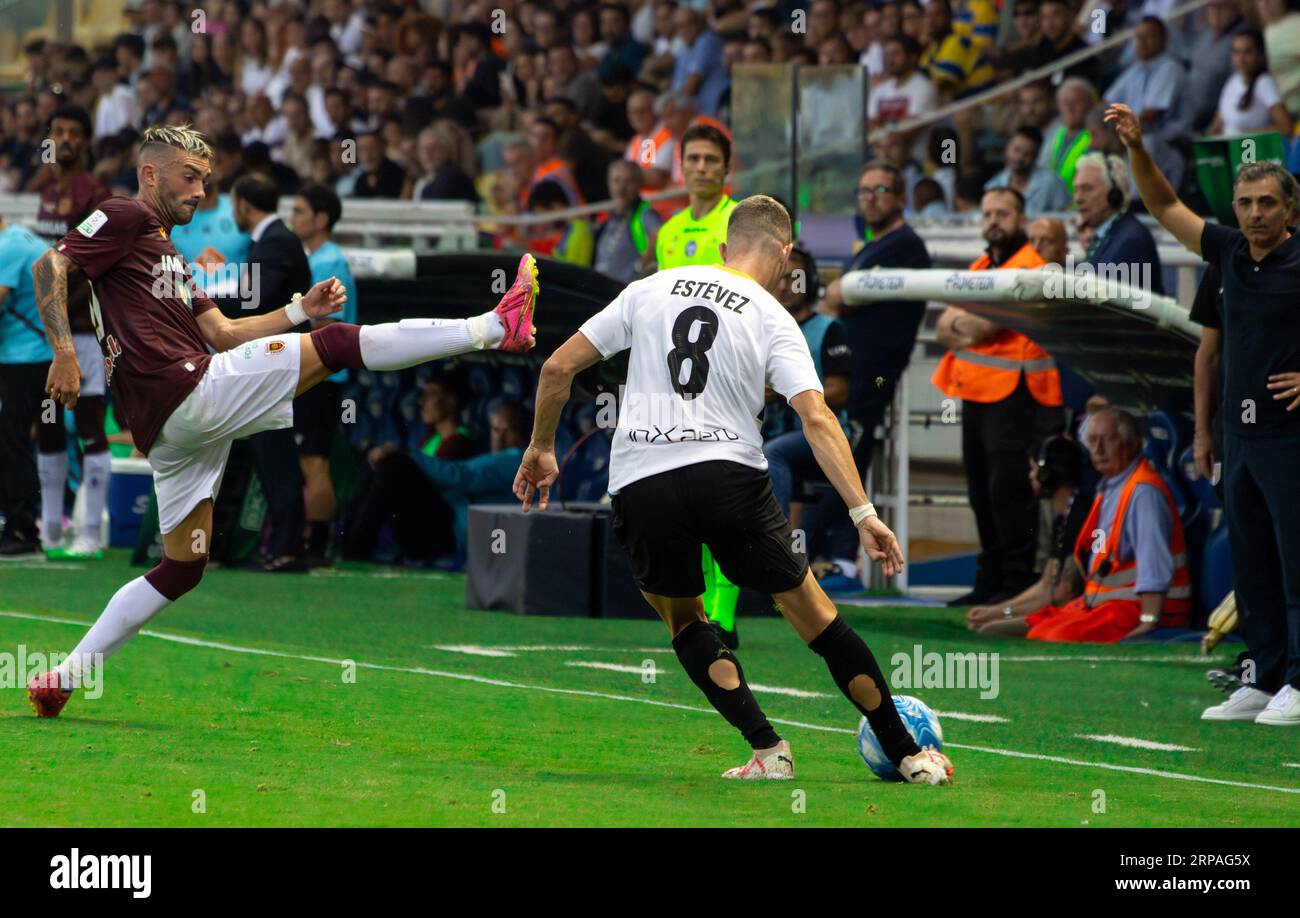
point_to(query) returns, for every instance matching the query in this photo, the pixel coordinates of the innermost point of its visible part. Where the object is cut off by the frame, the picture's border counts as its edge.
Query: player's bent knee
(724, 674)
(864, 691)
(173, 579)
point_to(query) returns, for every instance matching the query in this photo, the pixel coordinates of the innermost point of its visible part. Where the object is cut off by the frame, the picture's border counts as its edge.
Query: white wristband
(294, 311)
(858, 514)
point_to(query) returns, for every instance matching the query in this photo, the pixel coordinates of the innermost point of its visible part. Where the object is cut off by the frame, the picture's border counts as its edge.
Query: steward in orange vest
(1110, 608)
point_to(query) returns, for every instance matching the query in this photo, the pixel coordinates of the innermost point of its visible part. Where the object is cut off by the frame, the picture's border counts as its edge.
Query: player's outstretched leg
(855, 670)
(716, 672)
(398, 345)
(126, 613)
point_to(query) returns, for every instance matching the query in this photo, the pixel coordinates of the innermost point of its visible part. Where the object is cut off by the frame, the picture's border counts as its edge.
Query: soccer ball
(920, 721)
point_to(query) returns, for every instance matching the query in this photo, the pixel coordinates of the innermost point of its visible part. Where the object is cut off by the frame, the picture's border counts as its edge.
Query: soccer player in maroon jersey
(184, 404)
(69, 193)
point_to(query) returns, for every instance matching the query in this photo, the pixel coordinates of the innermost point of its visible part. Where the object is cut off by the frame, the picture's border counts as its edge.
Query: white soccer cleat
(775, 764)
(83, 548)
(1245, 703)
(1283, 710)
(929, 766)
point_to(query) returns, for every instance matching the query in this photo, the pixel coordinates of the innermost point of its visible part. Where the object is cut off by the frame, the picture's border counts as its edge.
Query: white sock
(53, 471)
(96, 468)
(131, 606)
(398, 345)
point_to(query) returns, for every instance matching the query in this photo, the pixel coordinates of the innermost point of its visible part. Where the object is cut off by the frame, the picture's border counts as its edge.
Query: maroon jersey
(62, 207)
(144, 309)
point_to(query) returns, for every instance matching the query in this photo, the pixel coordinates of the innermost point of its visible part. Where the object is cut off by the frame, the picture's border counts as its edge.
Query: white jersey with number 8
(705, 341)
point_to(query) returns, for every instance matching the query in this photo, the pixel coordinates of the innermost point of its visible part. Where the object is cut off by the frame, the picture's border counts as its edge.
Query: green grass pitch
(239, 713)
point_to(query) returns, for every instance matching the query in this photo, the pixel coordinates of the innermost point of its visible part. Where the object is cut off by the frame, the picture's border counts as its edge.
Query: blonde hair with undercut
(758, 220)
(179, 137)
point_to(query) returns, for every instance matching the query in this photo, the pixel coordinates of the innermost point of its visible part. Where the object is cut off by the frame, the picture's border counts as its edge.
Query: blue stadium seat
(1200, 487)
(1215, 575)
(1163, 440)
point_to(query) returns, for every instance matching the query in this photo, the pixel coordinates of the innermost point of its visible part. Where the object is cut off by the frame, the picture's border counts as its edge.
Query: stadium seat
(1215, 576)
(1162, 441)
(1200, 486)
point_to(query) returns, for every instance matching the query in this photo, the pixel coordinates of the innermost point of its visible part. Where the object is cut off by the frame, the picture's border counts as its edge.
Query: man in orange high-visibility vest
(1011, 395)
(1130, 556)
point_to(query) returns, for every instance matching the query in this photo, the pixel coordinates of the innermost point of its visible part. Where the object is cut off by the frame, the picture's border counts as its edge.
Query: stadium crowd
(540, 107)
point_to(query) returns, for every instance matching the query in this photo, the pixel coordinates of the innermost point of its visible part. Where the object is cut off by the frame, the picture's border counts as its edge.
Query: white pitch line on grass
(1291, 764)
(508, 650)
(610, 696)
(1134, 742)
(973, 718)
(754, 686)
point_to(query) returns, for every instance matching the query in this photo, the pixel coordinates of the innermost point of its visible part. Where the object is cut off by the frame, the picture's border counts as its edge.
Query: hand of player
(324, 298)
(1126, 124)
(63, 382)
(881, 545)
(1286, 385)
(537, 472)
(1203, 450)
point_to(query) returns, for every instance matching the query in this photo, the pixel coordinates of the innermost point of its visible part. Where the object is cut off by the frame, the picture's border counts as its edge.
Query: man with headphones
(1101, 190)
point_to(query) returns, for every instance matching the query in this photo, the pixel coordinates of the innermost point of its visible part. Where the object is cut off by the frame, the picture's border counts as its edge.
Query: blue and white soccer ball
(920, 721)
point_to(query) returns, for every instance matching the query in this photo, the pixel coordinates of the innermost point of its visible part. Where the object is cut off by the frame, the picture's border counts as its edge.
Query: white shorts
(91, 359)
(245, 390)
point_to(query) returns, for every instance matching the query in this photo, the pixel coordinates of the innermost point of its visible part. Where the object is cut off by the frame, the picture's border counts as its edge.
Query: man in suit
(277, 268)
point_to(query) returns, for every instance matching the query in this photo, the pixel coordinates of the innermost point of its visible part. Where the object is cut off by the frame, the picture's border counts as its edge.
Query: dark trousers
(1262, 508)
(275, 455)
(22, 389)
(399, 494)
(996, 441)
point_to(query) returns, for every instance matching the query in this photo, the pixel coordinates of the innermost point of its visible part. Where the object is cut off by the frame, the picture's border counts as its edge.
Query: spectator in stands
(616, 32)
(1056, 475)
(906, 92)
(587, 160)
(163, 53)
(317, 412)
(544, 138)
(609, 126)
(376, 176)
(1059, 39)
(967, 194)
(892, 147)
(411, 500)
(1250, 101)
(625, 239)
(128, 48)
(1011, 395)
(927, 199)
(1013, 58)
(1071, 139)
(477, 70)
(565, 239)
(1281, 22)
(1211, 57)
(1042, 189)
(255, 68)
(881, 335)
(699, 70)
(115, 103)
(1129, 554)
(955, 62)
(1261, 360)
(786, 448)
(1153, 86)
(1047, 236)
(298, 141)
(1036, 106)
(585, 32)
(1120, 242)
(395, 491)
(564, 78)
(442, 178)
(1085, 233)
(652, 146)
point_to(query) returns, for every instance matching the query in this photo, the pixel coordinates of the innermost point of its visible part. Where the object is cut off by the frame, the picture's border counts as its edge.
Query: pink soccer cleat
(47, 695)
(516, 309)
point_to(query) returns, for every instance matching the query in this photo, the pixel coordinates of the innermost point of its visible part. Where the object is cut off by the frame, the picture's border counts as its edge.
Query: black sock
(698, 647)
(848, 656)
(319, 539)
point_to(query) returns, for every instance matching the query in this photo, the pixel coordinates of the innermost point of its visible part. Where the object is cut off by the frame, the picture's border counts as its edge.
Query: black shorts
(665, 520)
(316, 415)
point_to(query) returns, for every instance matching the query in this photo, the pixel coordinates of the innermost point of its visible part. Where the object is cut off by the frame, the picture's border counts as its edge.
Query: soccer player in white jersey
(687, 469)
(185, 405)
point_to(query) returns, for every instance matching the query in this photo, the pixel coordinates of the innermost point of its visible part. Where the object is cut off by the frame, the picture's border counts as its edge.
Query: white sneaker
(1243, 704)
(929, 766)
(776, 764)
(84, 547)
(1283, 710)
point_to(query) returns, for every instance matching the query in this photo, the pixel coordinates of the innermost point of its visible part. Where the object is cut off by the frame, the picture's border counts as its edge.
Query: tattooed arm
(50, 278)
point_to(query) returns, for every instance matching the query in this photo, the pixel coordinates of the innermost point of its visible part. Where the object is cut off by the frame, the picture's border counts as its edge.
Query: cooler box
(129, 487)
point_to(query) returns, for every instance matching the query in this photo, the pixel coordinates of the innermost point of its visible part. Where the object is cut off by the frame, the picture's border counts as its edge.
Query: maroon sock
(339, 346)
(174, 578)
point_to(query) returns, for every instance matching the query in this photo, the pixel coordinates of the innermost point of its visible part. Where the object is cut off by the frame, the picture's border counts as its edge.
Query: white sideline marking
(1291, 764)
(586, 693)
(1134, 742)
(973, 718)
(754, 686)
(1071, 658)
(511, 650)
(378, 575)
